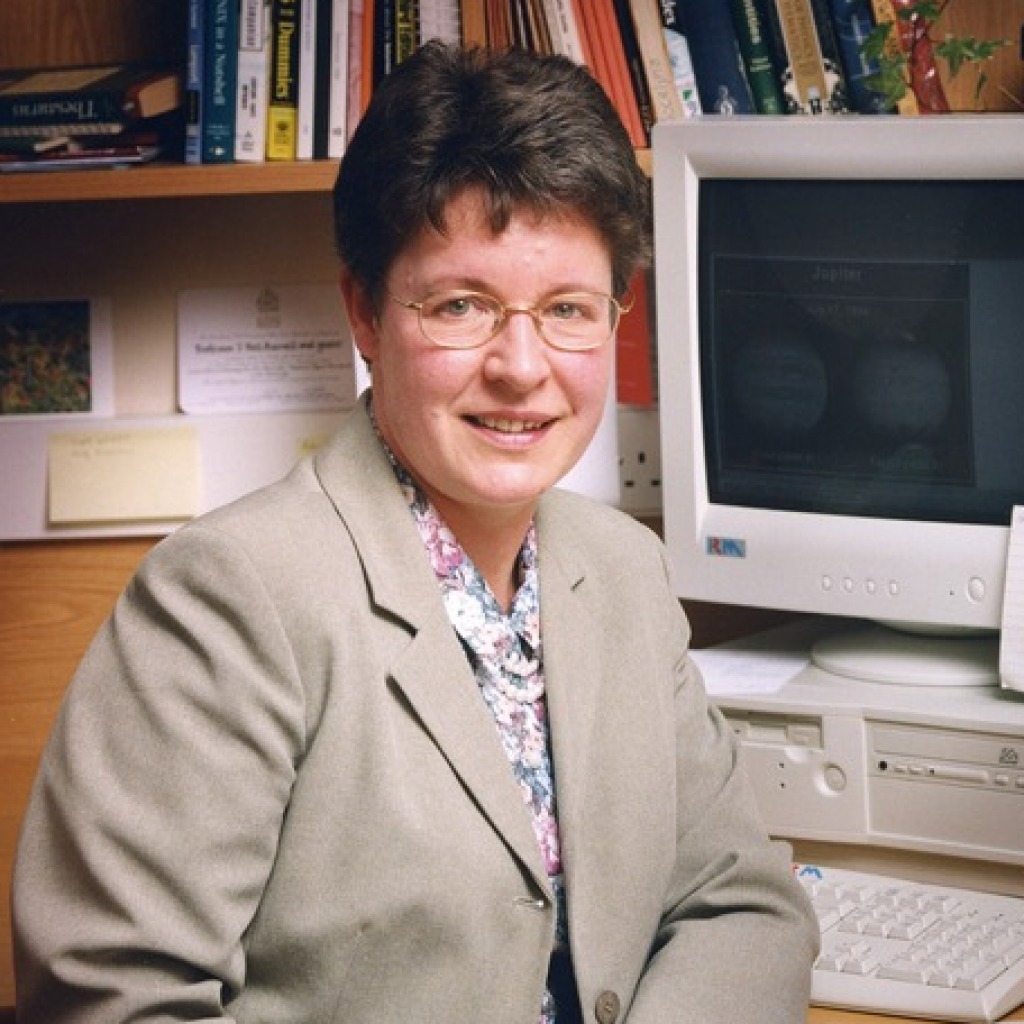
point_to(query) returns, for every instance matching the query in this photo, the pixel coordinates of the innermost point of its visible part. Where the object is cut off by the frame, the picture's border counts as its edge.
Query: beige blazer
(274, 794)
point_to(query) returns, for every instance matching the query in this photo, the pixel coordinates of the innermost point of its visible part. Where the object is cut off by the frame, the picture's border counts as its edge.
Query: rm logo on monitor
(725, 547)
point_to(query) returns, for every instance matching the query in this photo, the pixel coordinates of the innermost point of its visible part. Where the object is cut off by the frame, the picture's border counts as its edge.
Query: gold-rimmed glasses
(570, 321)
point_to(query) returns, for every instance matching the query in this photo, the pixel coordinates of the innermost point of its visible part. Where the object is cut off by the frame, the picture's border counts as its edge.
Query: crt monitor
(840, 321)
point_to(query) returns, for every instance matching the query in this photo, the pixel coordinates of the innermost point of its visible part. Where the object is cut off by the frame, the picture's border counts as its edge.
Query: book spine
(194, 83)
(564, 15)
(439, 19)
(253, 81)
(673, 30)
(757, 58)
(474, 22)
(837, 101)
(808, 88)
(306, 101)
(614, 74)
(853, 24)
(220, 82)
(337, 93)
(282, 104)
(666, 103)
(634, 66)
(406, 29)
(717, 62)
(354, 100)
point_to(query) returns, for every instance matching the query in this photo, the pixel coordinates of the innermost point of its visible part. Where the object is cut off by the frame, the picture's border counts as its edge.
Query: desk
(819, 1015)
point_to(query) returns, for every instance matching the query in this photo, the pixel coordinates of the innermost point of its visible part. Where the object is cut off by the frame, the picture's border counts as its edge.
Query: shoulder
(573, 519)
(592, 541)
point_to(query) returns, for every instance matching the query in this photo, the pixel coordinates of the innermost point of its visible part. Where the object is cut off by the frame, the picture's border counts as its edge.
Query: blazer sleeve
(153, 822)
(738, 936)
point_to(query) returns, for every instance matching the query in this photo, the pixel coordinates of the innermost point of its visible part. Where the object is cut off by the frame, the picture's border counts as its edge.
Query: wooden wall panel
(60, 32)
(53, 597)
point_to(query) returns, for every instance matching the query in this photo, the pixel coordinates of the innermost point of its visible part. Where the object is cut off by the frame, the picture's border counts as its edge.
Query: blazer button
(607, 1007)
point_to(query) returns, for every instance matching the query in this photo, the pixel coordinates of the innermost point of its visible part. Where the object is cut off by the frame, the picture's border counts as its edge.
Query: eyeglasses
(573, 322)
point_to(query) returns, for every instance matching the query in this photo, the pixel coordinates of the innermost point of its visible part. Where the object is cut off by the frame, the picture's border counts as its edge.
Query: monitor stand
(881, 654)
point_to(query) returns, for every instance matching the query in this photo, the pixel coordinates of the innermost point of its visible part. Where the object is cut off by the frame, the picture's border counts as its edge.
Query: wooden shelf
(177, 181)
(168, 181)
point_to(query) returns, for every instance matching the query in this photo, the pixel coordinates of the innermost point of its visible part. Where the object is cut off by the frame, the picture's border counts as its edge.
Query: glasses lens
(459, 319)
(579, 320)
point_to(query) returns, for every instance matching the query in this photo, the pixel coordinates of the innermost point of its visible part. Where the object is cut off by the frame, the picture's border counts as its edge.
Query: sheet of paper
(123, 476)
(737, 671)
(271, 349)
(1011, 637)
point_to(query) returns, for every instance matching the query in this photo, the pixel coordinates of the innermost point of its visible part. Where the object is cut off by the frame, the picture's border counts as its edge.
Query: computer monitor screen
(841, 363)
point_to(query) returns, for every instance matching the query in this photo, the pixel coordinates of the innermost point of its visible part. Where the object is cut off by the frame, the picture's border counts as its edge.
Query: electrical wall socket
(639, 460)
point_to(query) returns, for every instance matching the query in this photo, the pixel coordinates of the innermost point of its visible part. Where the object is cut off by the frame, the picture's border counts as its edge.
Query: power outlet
(639, 460)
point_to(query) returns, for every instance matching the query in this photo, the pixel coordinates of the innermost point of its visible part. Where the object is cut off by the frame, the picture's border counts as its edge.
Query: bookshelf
(141, 235)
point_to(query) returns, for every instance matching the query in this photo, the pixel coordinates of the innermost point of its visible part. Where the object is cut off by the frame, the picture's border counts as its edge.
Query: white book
(253, 79)
(337, 98)
(439, 19)
(562, 26)
(307, 79)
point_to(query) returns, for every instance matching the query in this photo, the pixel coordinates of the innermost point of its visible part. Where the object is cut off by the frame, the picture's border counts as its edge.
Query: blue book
(714, 50)
(220, 81)
(194, 83)
(853, 23)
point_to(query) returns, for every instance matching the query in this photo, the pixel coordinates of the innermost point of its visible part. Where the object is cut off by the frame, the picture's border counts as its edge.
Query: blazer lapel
(432, 670)
(572, 669)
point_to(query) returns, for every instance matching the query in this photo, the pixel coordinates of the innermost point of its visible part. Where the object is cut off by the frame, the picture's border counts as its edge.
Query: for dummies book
(84, 97)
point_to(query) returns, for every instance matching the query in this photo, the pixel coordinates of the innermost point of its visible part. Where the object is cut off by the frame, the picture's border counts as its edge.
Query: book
(195, 31)
(634, 348)
(563, 29)
(853, 24)
(219, 96)
(474, 22)
(253, 81)
(439, 19)
(309, 56)
(666, 103)
(498, 25)
(808, 83)
(336, 75)
(756, 54)
(354, 101)
(838, 100)
(673, 29)
(717, 62)
(283, 98)
(406, 40)
(89, 152)
(610, 66)
(634, 66)
(86, 96)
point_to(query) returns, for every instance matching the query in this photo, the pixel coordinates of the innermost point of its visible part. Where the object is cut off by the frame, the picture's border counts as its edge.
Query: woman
(411, 735)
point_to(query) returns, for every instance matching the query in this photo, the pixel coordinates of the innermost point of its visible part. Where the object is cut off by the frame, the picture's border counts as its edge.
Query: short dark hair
(532, 132)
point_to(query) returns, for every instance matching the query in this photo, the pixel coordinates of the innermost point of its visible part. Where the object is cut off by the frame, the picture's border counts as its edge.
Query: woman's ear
(362, 316)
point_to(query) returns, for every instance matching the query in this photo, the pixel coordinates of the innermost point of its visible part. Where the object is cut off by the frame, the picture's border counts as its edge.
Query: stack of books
(111, 115)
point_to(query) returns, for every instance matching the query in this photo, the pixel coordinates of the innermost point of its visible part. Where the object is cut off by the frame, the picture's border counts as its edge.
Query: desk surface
(820, 1015)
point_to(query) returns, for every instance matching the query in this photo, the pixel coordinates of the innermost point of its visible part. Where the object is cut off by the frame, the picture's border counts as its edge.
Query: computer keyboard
(907, 949)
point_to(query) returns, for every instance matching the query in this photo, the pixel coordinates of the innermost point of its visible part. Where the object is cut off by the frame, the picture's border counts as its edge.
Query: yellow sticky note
(123, 476)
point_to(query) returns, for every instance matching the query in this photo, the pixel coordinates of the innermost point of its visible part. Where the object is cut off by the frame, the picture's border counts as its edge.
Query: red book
(634, 369)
